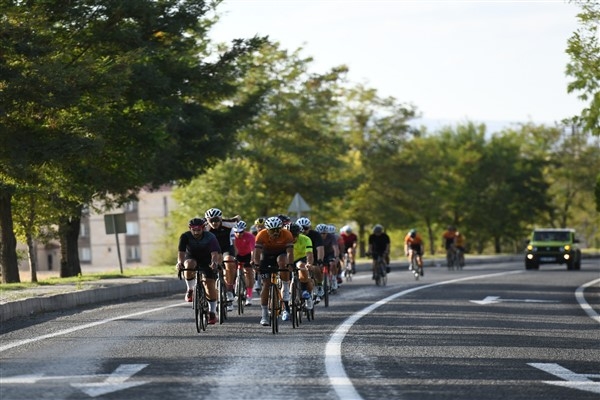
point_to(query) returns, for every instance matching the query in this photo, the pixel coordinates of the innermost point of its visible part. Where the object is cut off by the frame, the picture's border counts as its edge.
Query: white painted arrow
(497, 299)
(571, 380)
(114, 382)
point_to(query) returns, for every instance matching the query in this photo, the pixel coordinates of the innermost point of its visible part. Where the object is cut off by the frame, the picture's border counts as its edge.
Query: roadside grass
(80, 279)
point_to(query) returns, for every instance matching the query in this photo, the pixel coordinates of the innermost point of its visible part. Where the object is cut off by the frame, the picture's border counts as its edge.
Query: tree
(110, 97)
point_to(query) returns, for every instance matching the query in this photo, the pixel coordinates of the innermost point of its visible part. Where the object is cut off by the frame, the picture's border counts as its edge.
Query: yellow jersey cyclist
(304, 261)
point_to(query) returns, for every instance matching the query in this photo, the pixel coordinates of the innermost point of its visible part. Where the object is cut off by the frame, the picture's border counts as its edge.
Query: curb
(35, 305)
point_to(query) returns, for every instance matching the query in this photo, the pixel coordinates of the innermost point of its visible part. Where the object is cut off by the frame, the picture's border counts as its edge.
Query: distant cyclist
(274, 250)
(331, 251)
(350, 244)
(199, 249)
(379, 245)
(413, 243)
(448, 240)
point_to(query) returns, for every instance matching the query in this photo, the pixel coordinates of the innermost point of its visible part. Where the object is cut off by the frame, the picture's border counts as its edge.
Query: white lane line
(333, 351)
(80, 327)
(584, 304)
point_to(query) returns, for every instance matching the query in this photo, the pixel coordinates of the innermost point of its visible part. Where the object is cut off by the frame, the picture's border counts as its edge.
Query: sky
(496, 62)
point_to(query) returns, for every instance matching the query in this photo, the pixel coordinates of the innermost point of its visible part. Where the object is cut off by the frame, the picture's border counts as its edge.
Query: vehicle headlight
(529, 247)
(567, 247)
(566, 256)
(530, 256)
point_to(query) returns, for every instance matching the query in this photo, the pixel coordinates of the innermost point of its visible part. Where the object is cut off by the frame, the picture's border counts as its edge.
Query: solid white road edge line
(584, 304)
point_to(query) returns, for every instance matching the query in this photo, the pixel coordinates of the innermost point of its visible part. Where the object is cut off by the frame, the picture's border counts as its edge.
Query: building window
(83, 231)
(85, 254)
(131, 206)
(133, 228)
(133, 253)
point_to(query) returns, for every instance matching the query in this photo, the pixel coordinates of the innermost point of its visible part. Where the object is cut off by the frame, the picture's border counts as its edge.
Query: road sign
(115, 223)
(298, 205)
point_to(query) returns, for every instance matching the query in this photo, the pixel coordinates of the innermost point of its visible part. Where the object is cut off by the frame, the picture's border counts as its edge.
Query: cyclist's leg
(230, 274)
(265, 277)
(249, 276)
(285, 283)
(318, 276)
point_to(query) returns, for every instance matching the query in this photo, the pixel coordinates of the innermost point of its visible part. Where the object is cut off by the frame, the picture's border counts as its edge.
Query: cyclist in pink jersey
(244, 248)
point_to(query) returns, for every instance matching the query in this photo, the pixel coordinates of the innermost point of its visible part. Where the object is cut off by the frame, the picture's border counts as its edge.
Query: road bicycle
(460, 257)
(452, 258)
(380, 271)
(275, 299)
(347, 268)
(326, 284)
(240, 287)
(414, 266)
(200, 299)
(222, 295)
(296, 299)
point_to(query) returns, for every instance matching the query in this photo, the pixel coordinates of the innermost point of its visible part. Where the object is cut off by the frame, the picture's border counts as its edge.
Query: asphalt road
(487, 332)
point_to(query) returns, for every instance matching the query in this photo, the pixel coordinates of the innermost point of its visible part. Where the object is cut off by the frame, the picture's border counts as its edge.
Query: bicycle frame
(347, 267)
(275, 299)
(380, 275)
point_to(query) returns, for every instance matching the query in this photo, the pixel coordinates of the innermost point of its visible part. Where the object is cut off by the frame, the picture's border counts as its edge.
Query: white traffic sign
(497, 299)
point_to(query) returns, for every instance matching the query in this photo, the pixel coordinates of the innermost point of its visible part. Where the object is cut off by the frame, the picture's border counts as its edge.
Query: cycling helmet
(321, 228)
(273, 223)
(295, 229)
(331, 228)
(240, 227)
(197, 222)
(213, 212)
(303, 222)
(259, 222)
(412, 233)
(253, 230)
(346, 229)
(284, 219)
(377, 229)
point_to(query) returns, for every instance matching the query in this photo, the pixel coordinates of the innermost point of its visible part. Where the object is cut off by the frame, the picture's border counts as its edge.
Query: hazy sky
(482, 61)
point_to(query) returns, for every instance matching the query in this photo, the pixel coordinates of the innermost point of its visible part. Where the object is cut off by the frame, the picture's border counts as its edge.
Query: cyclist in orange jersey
(413, 242)
(274, 249)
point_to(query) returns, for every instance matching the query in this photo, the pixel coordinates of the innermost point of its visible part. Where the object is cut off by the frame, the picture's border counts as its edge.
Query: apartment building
(146, 222)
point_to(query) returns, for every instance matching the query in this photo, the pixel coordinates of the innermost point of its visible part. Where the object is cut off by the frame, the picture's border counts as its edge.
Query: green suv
(553, 246)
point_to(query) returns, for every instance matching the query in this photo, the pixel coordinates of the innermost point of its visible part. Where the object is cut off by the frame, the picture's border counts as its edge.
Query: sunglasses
(215, 219)
(274, 230)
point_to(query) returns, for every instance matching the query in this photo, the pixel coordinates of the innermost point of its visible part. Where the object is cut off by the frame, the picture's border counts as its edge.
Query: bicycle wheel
(222, 293)
(326, 287)
(383, 273)
(295, 296)
(241, 293)
(197, 310)
(274, 298)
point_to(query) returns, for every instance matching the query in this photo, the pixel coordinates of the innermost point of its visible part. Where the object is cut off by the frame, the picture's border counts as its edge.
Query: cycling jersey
(349, 239)
(244, 243)
(379, 243)
(448, 237)
(273, 246)
(302, 246)
(223, 235)
(198, 249)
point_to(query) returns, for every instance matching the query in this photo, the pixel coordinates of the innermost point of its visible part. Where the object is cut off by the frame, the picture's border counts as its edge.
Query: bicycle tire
(241, 293)
(198, 310)
(326, 289)
(222, 293)
(294, 305)
(274, 307)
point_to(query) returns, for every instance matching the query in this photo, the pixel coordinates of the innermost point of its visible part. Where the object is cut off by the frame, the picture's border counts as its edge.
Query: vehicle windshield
(551, 236)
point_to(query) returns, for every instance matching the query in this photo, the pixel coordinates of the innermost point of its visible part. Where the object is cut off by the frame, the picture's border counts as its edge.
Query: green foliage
(584, 67)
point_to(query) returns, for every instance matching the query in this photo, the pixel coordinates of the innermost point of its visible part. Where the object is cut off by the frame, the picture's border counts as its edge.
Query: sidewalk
(30, 301)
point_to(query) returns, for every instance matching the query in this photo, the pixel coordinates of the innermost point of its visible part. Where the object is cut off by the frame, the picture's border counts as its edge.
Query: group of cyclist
(454, 243)
(273, 243)
(277, 243)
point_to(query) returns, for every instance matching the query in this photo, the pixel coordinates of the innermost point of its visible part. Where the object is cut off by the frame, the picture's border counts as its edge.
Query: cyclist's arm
(180, 257)
(258, 250)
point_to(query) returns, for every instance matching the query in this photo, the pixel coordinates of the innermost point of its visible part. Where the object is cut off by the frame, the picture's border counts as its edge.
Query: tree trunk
(497, 245)
(69, 251)
(362, 246)
(33, 265)
(8, 242)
